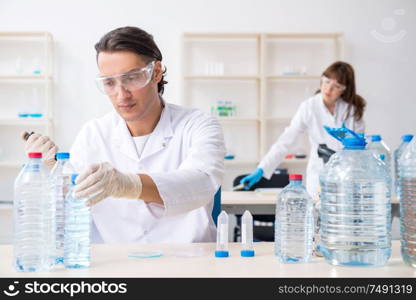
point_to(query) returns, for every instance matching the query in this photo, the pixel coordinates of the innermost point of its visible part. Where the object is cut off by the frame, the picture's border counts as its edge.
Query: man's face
(131, 104)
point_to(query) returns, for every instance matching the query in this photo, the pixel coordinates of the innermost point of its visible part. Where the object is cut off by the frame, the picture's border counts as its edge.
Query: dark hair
(344, 74)
(135, 40)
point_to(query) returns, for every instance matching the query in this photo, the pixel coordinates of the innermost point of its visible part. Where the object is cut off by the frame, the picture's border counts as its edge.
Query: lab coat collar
(338, 105)
(157, 141)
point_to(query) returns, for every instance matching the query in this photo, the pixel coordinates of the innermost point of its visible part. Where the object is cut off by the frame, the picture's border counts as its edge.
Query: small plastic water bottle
(407, 183)
(247, 235)
(60, 183)
(380, 149)
(355, 205)
(77, 243)
(33, 214)
(222, 235)
(294, 227)
(397, 153)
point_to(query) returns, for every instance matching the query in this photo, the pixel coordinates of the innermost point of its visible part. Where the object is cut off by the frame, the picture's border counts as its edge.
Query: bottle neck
(358, 147)
(35, 161)
(295, 182)
(62, 160)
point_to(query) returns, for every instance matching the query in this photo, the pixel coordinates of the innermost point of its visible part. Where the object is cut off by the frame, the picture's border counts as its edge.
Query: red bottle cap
(297, 177)
(35, 155)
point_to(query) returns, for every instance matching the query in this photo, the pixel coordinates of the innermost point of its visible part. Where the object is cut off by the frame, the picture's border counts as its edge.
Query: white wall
(385, 71)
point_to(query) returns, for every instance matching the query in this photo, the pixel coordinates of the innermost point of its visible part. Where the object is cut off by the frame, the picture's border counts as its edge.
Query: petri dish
(145, 254)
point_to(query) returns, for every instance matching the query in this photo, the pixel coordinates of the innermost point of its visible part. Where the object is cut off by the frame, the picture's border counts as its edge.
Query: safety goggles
(131, 81)
(329, 82)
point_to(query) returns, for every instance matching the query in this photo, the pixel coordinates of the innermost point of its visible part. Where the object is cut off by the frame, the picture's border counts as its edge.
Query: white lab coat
(184, 157)
(310, 117)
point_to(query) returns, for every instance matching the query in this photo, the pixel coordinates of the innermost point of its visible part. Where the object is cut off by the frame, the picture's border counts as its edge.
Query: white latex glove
(41, 143)
(100, 181)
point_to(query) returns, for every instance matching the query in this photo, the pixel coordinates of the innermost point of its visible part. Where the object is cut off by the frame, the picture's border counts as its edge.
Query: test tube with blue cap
(222, 235)
(247, 235)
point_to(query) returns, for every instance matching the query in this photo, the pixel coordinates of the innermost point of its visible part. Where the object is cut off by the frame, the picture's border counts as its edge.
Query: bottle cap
(247, 253)
(221, 253)
(376, 138)
(35, 154)
(296, 177)
(354, 142)
(62, 155)
(407, 137)
(349, 138)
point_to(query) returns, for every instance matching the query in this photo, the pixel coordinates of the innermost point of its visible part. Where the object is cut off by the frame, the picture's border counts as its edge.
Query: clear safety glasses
(329, 82)
(130, 81)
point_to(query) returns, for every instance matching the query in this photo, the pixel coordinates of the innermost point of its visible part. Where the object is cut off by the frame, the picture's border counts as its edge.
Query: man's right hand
(41, 143)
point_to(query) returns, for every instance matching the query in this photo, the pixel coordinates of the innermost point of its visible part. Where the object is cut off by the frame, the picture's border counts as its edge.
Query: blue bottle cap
(376, 138)
(62, 155)
(407, 137)
(73, 178)
(221, 253)
(349, 138)
(247, 253)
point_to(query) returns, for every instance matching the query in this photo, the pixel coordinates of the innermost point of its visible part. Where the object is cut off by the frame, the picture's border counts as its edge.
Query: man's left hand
(101, 180)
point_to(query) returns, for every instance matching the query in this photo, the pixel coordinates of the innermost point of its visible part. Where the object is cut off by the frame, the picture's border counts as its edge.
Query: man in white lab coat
(149, 168)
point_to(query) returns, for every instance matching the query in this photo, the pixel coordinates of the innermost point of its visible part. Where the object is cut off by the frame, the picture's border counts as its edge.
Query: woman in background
(334, 103)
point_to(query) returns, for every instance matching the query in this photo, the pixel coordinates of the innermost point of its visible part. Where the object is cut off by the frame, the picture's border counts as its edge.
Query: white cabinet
(26, 82)
(265, 76)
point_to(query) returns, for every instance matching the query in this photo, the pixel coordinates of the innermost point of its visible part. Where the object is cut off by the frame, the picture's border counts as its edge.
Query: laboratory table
(261, 202)
(197, 260)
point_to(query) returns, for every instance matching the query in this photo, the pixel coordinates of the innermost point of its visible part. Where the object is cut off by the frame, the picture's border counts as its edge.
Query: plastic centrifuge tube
(222, 235)
(247, 235)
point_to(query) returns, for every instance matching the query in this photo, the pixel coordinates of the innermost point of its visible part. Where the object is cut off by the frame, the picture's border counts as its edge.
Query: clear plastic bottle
(77, 243)
(222, 235)
(355, 205)
(380, 149)
(294, 223)
(33, 214)
(397, 153)
(407, 182)
(60, 183)
(247, 235)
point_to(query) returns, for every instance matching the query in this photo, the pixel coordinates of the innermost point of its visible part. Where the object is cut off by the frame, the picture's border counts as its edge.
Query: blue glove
(252, 179)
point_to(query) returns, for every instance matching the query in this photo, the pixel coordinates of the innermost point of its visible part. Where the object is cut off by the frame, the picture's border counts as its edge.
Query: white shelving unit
(266, 75)
(26, 83)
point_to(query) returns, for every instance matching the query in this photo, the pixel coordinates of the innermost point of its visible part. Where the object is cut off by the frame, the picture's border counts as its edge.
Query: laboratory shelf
(26, 85)
(293, 77)
(35, 78)
(237, 162)
(264, 76)
(277, 120)
(25, 121)
(237, 119)
(221, 77)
